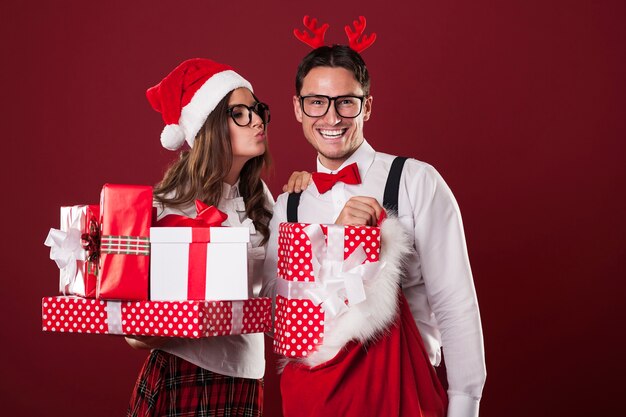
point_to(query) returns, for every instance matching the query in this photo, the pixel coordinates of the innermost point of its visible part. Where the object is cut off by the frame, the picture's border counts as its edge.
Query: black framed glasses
(242, 114)
(347, 107)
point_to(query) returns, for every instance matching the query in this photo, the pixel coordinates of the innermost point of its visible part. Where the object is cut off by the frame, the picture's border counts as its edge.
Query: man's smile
(332, 133)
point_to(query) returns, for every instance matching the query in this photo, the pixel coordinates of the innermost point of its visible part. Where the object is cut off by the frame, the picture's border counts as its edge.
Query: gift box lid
(125, 210)
(199, 234)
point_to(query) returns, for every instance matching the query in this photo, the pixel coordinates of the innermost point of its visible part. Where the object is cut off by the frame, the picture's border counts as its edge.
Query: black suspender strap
(392, 188)
(293, 201)
(390, 197)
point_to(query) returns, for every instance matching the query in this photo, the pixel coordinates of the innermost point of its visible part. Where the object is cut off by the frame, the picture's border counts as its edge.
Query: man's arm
(440, 243)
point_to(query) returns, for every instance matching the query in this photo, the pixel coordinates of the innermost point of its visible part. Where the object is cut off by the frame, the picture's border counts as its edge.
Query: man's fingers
(356, 213)
(360, 206)
(360, 210)
(354, 218)
(358, 218)
(371, 202)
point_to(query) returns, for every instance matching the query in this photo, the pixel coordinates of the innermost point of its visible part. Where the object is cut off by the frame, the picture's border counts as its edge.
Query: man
(332, 103)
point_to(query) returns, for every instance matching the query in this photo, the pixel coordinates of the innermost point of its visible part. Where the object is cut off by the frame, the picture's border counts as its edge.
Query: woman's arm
(146, 342)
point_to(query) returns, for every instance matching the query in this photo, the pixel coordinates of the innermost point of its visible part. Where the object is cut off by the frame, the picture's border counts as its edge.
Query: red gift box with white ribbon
(125, 220)
(186, 319)
(74, 247)
(321, 270)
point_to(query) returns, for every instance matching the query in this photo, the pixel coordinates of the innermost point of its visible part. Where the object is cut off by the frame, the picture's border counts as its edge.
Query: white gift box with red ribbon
(199, 263)
(186, 319)
(321, 271)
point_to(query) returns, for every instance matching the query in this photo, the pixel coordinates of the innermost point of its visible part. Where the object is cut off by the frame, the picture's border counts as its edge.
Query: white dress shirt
(242, 355)
(438, 285)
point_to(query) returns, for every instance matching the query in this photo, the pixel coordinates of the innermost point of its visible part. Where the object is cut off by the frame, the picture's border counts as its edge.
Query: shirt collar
(230, 191)
(363, 156)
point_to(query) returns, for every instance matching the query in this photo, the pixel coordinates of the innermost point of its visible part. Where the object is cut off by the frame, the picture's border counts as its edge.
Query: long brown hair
(199, 172)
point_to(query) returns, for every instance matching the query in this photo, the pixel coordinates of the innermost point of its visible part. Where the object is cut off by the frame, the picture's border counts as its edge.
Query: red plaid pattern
(172, 387)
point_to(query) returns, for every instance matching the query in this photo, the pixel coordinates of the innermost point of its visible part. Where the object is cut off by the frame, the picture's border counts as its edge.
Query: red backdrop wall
(519, 104)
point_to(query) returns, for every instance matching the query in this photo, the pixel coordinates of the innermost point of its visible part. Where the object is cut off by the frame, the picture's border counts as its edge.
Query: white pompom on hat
(188, 94)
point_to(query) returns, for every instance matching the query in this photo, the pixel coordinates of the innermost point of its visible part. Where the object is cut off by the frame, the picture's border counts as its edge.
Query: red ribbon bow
(208, 216)
(347, 175)
(91, 241)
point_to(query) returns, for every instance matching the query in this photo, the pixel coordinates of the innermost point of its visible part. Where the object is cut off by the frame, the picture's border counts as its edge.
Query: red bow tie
(347, 175)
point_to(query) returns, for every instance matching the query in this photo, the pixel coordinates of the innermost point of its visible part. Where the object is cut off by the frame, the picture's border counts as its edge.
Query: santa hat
(188, 94)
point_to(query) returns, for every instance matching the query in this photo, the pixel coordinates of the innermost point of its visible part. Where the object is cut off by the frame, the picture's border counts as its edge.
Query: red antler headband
(317, 38)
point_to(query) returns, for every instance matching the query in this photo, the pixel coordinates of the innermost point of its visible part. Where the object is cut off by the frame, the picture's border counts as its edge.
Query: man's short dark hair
(341, 56)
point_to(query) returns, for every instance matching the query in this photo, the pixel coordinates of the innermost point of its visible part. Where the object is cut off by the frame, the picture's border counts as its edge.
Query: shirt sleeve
(440, 243)
(268, 197)
(259, 268)
(271, 254)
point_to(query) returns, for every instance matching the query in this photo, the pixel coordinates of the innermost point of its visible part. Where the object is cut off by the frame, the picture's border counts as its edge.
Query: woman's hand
(298, 182)
(146, 342)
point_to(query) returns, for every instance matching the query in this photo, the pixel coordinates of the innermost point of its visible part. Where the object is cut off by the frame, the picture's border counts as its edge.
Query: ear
(367, 108)
(297, 109)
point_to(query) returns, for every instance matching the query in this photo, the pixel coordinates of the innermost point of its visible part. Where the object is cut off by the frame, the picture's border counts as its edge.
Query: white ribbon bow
(66, 249)
(337, 279)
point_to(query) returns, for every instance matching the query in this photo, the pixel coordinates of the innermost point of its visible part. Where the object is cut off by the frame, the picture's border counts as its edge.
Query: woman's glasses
(242, 114)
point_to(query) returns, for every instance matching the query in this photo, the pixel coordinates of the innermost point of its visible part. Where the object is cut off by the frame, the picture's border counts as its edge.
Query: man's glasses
(347, 107)
(242, 114)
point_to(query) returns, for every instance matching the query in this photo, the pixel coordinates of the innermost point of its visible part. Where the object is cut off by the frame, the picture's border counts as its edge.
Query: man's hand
(146, 342)
(298, 182)
(360, 211)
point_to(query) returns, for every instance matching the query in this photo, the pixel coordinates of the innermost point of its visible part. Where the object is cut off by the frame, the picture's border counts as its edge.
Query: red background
(519, 104)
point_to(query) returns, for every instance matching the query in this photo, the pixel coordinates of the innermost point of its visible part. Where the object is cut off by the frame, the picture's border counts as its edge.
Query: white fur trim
(206, 98)
(368, 320)
(172, 137)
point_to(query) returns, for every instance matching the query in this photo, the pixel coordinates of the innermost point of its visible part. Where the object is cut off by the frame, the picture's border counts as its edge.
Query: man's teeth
(332, 133)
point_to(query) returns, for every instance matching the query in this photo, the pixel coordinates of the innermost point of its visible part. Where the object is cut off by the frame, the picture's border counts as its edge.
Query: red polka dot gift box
(186, 319)
(321, 270)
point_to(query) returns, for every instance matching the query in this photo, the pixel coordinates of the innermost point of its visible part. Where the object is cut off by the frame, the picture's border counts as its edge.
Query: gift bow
(91, 241)
(66, 249)
(208, 216)
(335, 276)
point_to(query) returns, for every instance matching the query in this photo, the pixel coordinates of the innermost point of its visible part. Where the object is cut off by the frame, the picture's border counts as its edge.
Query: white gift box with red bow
(199, 263)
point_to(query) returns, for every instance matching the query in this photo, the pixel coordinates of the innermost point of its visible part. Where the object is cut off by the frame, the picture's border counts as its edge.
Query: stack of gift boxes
(120, 275)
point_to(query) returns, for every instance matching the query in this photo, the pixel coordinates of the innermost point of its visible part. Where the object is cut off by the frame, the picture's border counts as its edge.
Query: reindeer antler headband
(357, 40)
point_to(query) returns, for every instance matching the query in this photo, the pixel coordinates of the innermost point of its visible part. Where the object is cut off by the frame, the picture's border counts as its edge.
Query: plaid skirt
(172, 387)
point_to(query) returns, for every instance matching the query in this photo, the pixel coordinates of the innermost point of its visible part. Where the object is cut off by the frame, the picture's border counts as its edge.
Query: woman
(225, 126)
